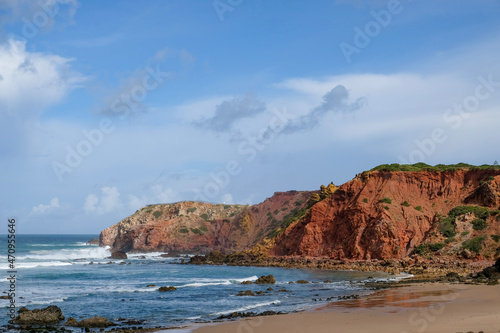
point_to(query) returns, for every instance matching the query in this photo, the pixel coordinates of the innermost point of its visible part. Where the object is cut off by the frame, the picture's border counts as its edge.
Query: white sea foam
(36, 264)
(68, 254)
(245, 308)
(217, 282)
(148, 255)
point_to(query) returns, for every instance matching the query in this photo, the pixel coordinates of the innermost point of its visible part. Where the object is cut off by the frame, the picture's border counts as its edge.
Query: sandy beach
(436, 308)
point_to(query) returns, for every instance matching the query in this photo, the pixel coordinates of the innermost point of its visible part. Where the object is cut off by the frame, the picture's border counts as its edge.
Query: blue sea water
(57, 270)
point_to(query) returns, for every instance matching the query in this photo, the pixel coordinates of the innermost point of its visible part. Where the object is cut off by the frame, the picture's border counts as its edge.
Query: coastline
(421, 307)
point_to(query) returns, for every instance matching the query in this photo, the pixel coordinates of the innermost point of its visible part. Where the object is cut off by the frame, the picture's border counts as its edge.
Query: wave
(68, 254)
(36, 264)
(49, 301)
(245, 308)
(147, 255)
(218, 282)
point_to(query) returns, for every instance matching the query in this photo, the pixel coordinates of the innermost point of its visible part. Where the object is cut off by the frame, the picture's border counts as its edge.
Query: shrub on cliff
(385, 200)
(475, 244)
(479, 224)
(424, 249)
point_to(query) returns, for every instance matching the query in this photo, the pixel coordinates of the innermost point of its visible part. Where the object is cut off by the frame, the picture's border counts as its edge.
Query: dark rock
(93, 241)
(164, 289)
(90, 322)
(246, 293)
(302, 281)
(71, 322)
(246, 282)
(452, 277)
(198, 260)
(266, 279)
(151, 285)
(118, 255)
(46, 316)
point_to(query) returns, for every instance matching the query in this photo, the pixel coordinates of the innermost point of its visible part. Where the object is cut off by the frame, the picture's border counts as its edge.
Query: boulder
(266, 279)
(46, 316)
(118, 255)
(170, 288)
(71, 322)
(302, 281)
(246, 282)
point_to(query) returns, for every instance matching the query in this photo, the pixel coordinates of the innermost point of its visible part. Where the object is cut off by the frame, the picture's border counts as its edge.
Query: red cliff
(377, 215)
(381, 215)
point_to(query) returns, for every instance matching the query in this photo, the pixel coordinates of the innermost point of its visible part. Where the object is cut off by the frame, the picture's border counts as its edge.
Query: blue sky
(106, 106)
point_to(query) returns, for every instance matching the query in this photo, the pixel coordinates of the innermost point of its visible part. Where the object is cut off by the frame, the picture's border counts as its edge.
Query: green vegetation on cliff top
(438, 167)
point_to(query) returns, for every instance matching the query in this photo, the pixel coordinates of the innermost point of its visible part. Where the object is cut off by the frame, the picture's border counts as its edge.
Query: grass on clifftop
(438, 167)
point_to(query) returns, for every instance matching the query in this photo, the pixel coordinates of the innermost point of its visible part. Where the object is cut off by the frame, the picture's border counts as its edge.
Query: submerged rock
(46, 316)
(164, 289)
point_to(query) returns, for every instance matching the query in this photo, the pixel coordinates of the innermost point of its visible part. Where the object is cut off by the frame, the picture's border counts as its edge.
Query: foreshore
(422, 307)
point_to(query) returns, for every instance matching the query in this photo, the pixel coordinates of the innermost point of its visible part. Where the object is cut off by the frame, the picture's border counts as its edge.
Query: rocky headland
(398, 218)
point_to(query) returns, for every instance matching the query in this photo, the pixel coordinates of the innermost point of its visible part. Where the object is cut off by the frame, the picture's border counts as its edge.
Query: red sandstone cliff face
(356, 223)
(193, 227)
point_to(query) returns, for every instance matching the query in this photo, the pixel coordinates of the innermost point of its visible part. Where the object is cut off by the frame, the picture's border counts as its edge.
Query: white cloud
(42, 209)
(135, 202)
(108, 202)
(46, 79)
(162, 195)
(227, 199)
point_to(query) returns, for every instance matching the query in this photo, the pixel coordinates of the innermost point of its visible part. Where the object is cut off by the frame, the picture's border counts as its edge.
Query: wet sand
(433, 308)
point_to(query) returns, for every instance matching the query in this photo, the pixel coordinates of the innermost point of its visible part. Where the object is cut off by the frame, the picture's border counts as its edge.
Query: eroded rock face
(367, 218)
(46, 316)
(196, 227)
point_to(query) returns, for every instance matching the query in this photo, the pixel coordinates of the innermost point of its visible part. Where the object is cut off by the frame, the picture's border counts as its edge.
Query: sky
(108, 106)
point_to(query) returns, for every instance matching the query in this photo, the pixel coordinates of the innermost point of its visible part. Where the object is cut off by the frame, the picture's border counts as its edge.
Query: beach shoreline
(420, 307)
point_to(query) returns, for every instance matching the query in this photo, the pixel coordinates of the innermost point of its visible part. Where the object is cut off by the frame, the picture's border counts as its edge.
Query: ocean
(63, 270)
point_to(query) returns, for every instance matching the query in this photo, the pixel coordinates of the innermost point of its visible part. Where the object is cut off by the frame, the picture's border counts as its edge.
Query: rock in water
(46, 316)
(266, 279)
(118, 255)
(163, 289)
(93, 241)
(90, 322)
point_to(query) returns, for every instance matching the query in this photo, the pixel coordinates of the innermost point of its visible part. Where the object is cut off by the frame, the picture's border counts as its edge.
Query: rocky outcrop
(196, 227)
(380, 215)
(46, 316)
(93, 241)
